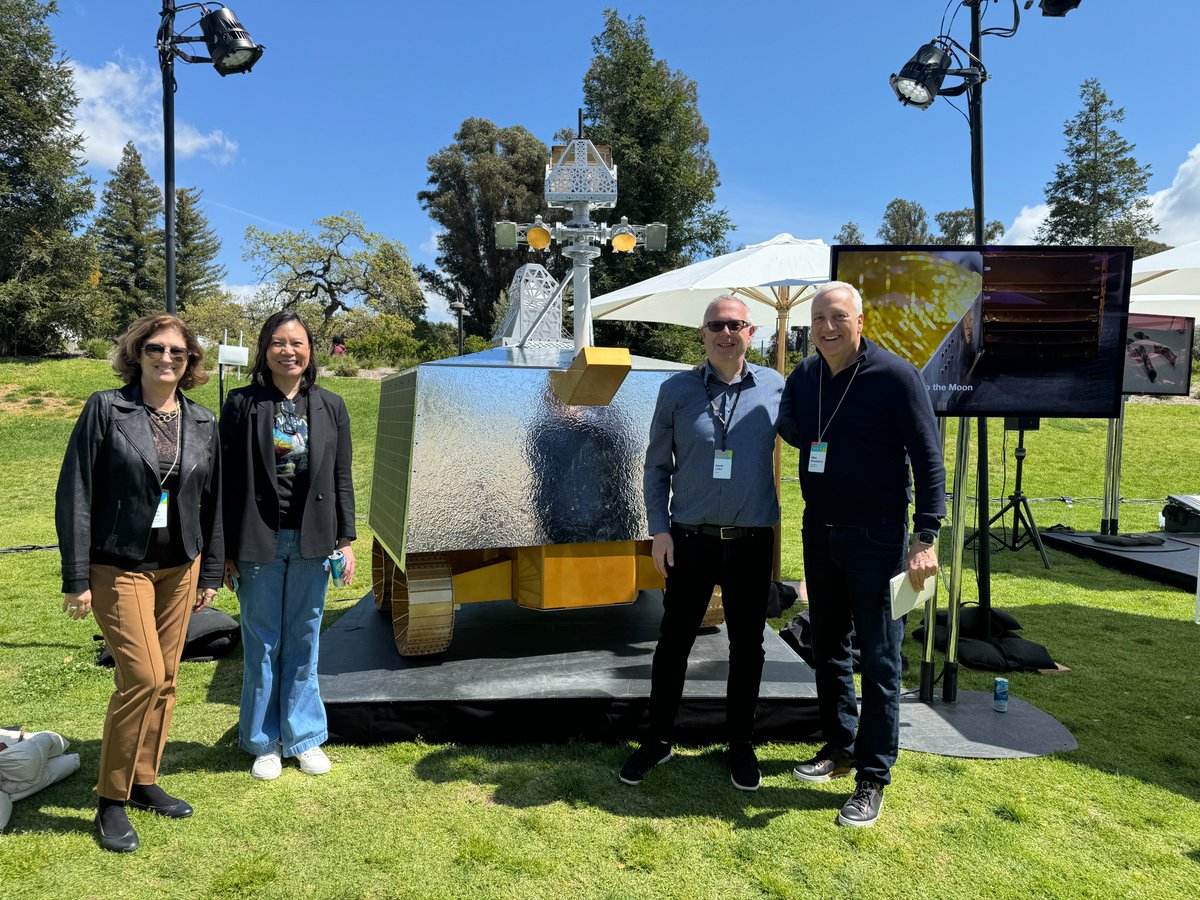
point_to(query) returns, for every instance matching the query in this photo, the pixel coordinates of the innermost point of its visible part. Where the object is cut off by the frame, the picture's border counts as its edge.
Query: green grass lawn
(1120, 817)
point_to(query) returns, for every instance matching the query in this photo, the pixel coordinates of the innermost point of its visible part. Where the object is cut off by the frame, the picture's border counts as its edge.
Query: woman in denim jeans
(288, 504)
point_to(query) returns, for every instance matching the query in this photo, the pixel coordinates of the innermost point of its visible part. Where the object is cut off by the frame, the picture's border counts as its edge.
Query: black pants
(742, 568)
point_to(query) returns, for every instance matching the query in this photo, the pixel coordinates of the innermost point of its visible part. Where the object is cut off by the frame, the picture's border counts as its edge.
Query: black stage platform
(1172, 562)
(521, 675)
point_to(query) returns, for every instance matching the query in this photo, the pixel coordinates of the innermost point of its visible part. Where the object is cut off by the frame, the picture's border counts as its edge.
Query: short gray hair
(831, 286)
(723, 297)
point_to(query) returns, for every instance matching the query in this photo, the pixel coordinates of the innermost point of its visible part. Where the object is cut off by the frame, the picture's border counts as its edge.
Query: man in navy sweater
(861, 418)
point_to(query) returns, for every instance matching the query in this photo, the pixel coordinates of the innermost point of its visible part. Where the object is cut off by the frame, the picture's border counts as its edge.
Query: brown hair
(127, 361)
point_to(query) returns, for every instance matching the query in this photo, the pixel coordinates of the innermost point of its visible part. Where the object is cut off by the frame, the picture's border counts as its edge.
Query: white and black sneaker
(643, 759)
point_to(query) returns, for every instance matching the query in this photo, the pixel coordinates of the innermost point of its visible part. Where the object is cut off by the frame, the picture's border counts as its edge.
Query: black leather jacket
(108, 489)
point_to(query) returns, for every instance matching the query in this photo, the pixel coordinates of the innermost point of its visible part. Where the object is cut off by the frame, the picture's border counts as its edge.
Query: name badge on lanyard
(723, 465)
(160, 516)
(816, 456)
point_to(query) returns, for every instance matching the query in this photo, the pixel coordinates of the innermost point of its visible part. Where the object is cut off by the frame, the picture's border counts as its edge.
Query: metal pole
(1106, 515)
(958, 525)
(983, 539)
(166, 60)
(1113, 523)
(926, 691)
(460, 332)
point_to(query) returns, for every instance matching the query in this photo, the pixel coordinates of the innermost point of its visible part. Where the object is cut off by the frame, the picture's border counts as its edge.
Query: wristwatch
(927, 537)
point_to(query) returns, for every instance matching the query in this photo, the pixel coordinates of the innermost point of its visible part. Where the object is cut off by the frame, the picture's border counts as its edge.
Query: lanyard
(821, 390)
(726, 423)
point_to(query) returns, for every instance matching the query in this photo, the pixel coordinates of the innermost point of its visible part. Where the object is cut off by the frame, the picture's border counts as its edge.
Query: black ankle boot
(152, 798)
(113, 831)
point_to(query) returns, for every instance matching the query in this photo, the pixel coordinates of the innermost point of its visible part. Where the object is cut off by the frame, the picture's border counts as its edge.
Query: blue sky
(351, 99)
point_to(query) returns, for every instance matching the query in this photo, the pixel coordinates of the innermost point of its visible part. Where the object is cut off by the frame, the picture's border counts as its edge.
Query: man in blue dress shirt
(710, 500)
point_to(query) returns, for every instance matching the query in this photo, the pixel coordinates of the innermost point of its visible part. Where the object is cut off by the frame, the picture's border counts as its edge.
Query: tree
(957, 226)
(648, 115)
(198, 275)
(1098, 193)
(130, 240)
(904, 222)
(849, 234)
(488, 174)
(46, 269)
(342, 265)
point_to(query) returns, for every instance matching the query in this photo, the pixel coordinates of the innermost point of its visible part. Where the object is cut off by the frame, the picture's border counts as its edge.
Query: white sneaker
(267, 766)
(313, 761)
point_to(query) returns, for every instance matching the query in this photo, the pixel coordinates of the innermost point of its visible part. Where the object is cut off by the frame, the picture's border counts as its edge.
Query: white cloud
(437, 308)
(1025, 225)
(242, 293)
(430, 246)
(1177, 208)
(122, 101)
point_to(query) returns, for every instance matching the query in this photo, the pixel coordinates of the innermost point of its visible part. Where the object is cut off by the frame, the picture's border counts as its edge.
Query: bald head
(709, 310)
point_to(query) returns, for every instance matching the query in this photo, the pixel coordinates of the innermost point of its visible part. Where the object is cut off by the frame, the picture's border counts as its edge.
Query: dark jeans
(743, 570)
(847, 570)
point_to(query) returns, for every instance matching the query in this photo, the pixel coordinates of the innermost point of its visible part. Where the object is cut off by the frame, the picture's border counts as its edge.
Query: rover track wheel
(423, 605)
(383, 575)
(715, 614)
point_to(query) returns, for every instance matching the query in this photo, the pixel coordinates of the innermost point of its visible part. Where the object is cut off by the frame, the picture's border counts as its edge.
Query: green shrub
(96, 348)
(343, 366)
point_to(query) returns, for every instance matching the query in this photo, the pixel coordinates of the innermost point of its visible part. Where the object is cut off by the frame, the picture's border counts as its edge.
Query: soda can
(1000, 695)
(336, 564)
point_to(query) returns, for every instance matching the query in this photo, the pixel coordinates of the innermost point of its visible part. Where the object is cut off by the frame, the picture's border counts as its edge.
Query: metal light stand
(1022, 514)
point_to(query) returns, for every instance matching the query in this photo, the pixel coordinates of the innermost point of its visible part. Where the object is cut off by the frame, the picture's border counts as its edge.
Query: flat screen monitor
(1003, 330)
(1158, 355)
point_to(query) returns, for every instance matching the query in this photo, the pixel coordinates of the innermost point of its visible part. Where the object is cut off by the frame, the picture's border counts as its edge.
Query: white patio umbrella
(775, 278)
(1168, 274)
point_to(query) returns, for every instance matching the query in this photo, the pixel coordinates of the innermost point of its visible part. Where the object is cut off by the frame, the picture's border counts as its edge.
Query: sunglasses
(734, 325)
(156, 351)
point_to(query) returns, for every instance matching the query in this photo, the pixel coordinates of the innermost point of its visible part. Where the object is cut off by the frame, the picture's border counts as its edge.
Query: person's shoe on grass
(743, 767)
(863, 807)
(643, 759)
(828, 764)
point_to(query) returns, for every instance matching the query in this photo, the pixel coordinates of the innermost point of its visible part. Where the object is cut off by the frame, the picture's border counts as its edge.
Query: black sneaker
(828, 764)
(643, 759)
(862, 809)
(743, 767)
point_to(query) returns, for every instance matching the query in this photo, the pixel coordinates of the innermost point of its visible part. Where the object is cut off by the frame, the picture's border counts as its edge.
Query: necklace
(163, 417)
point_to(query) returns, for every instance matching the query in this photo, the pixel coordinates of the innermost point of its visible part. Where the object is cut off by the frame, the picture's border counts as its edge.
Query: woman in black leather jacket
(139, 527)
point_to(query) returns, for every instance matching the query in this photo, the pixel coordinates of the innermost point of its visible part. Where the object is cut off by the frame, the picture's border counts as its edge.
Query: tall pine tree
(129, 235)
(46, 269)
(1098, 193)
(198, 275)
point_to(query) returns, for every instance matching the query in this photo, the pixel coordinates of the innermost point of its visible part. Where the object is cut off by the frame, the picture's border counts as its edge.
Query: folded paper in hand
(905, 597)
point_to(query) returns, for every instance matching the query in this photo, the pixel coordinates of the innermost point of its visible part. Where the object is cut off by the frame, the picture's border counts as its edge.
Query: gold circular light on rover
(624, 241)
(538, 237)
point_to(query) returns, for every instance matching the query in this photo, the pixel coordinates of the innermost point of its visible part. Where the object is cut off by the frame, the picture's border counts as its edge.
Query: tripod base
(1018, 503)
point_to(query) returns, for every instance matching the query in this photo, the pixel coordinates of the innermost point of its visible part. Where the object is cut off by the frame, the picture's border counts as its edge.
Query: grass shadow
(690, 784)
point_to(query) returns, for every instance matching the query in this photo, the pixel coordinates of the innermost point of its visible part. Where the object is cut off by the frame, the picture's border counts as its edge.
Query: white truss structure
(579, 173)
(531, 289)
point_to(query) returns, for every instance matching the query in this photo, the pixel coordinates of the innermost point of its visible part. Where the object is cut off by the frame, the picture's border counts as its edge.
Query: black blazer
(251, 504)
(108, 488)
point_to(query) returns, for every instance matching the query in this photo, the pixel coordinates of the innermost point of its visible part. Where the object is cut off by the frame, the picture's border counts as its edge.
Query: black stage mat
(521, 675)
(1172, 562)
(970, 728)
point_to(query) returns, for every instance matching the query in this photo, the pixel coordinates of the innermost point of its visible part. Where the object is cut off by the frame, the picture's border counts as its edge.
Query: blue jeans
(282, 602)
(847, 570)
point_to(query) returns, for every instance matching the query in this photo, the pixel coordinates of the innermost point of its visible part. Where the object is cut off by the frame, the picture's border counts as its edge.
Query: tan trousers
(143, 617)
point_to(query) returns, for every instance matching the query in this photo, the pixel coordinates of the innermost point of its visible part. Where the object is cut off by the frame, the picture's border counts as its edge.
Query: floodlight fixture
(506, 235)
(920, 79)
(229, 44)
(656, 237)
(538, 236)
(231, 51)
(622, 237)
(1057, 8)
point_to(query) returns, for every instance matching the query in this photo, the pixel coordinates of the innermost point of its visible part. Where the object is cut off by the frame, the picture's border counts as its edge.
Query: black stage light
(921, 78)
(1057, 7)
(229, 45)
